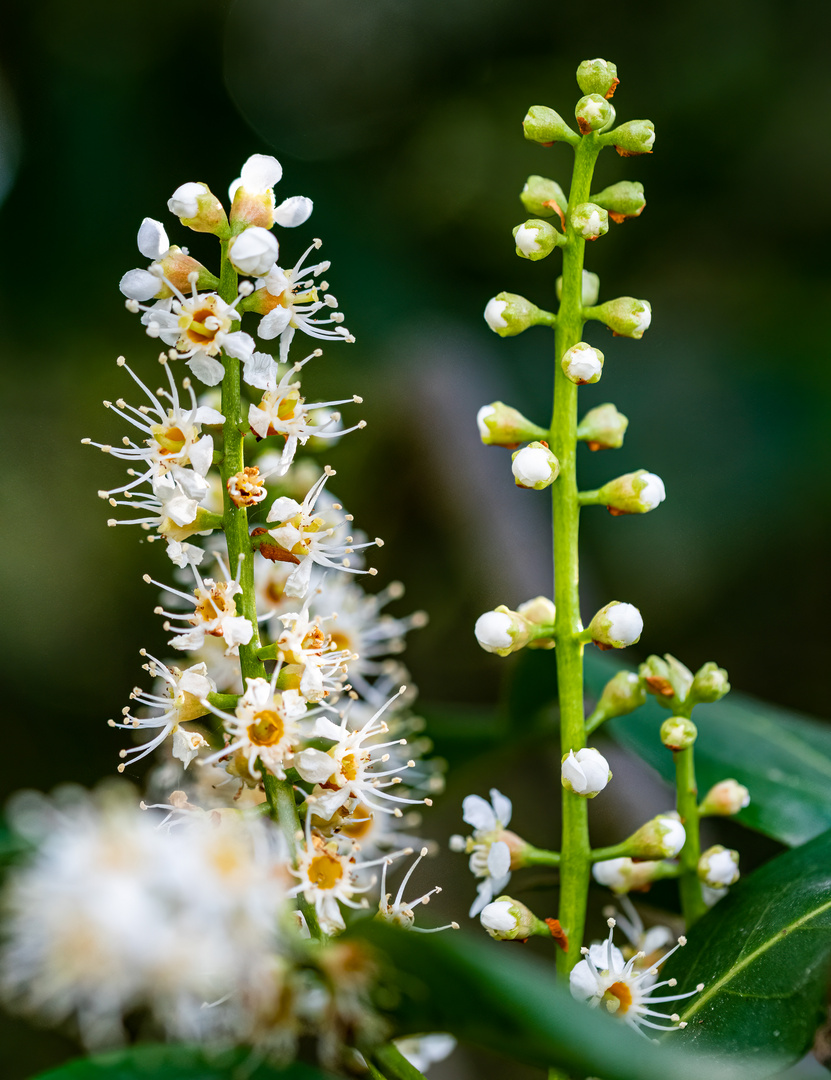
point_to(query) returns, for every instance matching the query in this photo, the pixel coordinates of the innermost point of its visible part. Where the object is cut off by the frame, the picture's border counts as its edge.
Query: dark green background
(402, 121)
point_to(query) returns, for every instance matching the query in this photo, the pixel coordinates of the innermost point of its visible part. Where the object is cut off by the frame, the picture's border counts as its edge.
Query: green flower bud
(597, 77)
(544, 198)
(508, 314)
(622, 694)
(536, 239)
(503, 631)
(661, 838)
(603, 428)
(506, 919)
(632, 138)
(633, 493)
(668, 679)
(197, 207)
(678, 733)
(616, 625)
(724, 799)
(718, 867)
(710, 683)
(593, 113)
(582, 363)
(540, 613)
(500, 425)
(625, 317)
(590, 289)
(623, 200)
(589, 221)
(543, 125)
(534, 466)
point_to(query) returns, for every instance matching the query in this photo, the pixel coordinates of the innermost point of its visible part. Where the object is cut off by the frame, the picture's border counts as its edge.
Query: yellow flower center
(325, 871)
(618, 998)
(267, 729)
(349, 767)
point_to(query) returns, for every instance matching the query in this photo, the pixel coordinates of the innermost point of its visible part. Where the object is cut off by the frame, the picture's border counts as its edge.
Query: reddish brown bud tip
(557, 933)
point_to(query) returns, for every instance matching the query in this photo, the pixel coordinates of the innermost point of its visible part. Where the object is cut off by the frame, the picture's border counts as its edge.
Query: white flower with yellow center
(490, 856)
(604, 979)
(265, 724)
(306, 538)
(347, 770)
(311, 660)
(180, 702)
(214, 613)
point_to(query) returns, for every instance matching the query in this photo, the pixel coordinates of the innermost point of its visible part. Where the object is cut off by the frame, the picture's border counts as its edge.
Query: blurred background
(402, 121)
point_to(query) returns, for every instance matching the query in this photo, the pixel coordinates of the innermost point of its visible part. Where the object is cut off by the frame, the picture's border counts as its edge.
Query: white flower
(184, 554)
(282, 410)
(616, 625)
(582, 364)
(264, 725)
(181, 701)
(490, 857)
(214, 612)
(254, 251)
(603, 979)
(346, 771)
(290, 300)
(112, 914)
(535, 467)
(494, 314)
(492, 630)
(258, 176)
(497, 916)
(399, 912)
(586, 772)
(422, 1051)
(318, 666)
(304, 535)
(718, 867)
(184, 202)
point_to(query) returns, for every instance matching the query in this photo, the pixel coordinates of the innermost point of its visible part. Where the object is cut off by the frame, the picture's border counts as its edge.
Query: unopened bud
(623, 200)
(197, 207)
(724, 799)
(502, 631)
(622, 694)
(603, 428)
(661, 838)
(624, 875)
(254, 251)
(633, 493)
(536, 239)
(501, 425)
(252, 194)
(597, 77)
(710, 683)
(540, 613)
(506, 919)
(718, 867)
(589, 290)
(543, 197)
(632, 138)
(543, 125)
(678, 733)
(593, 113)
(508, 314)
(625, 317)
(585, 773)
(582, 363)
(616, 625)
(534, 466)
(668, 679)
(178, 267)
(589, 221)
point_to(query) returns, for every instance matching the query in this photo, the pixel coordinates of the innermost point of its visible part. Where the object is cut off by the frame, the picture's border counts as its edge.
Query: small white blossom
(214, 612)
(497, 916)
(586, 772)
(184, 202)
(490, 857)
(254, 251)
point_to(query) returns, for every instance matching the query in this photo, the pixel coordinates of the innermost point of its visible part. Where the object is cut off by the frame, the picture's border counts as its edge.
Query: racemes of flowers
(668, 846)
(285, 790)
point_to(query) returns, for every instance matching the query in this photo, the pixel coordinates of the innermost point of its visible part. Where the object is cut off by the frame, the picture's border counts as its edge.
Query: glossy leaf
(491, 995)
(784, 759)
(177, 1062)
(763, 955)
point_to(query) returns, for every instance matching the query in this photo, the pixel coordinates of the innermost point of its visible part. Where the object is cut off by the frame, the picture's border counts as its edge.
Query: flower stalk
(689, 885)
(575, 859)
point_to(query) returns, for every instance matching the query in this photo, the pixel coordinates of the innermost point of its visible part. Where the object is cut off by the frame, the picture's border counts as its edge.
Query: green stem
(394, 1064)
(692, 900)
(532, 856)
(575, 861)
(280, 795)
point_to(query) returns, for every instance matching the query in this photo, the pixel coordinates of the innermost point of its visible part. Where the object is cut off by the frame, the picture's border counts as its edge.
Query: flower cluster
(283, 727)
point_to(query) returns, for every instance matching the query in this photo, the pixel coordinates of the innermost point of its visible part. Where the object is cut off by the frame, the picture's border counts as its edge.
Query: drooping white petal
(140, 285)
(478, 812)
(293, 211)
(207, 369)
(260, 172)
(152, 240)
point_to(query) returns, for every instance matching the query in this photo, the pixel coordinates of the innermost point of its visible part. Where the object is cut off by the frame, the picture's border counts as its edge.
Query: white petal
(260, 172)
(260, 370)
(499, 860)
(298, 581)
(206, 369)
(477, 812)
(273, 324)
(484, 897)
(258, 420)
(239, 344)
(186, 745)
(502, 806)
(140, 285)
(314, 766)
(582, 983)
(181, 509)
(201, 454)
(293, 211)
(498, 916)
(283, 508)
(237, 631)
(324, 728)
(152, 240)
(206, 415)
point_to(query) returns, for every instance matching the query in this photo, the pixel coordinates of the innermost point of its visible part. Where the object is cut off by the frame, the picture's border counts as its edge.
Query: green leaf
(177, 1062)
(491, 995)
(762, 953)
(783, 759)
